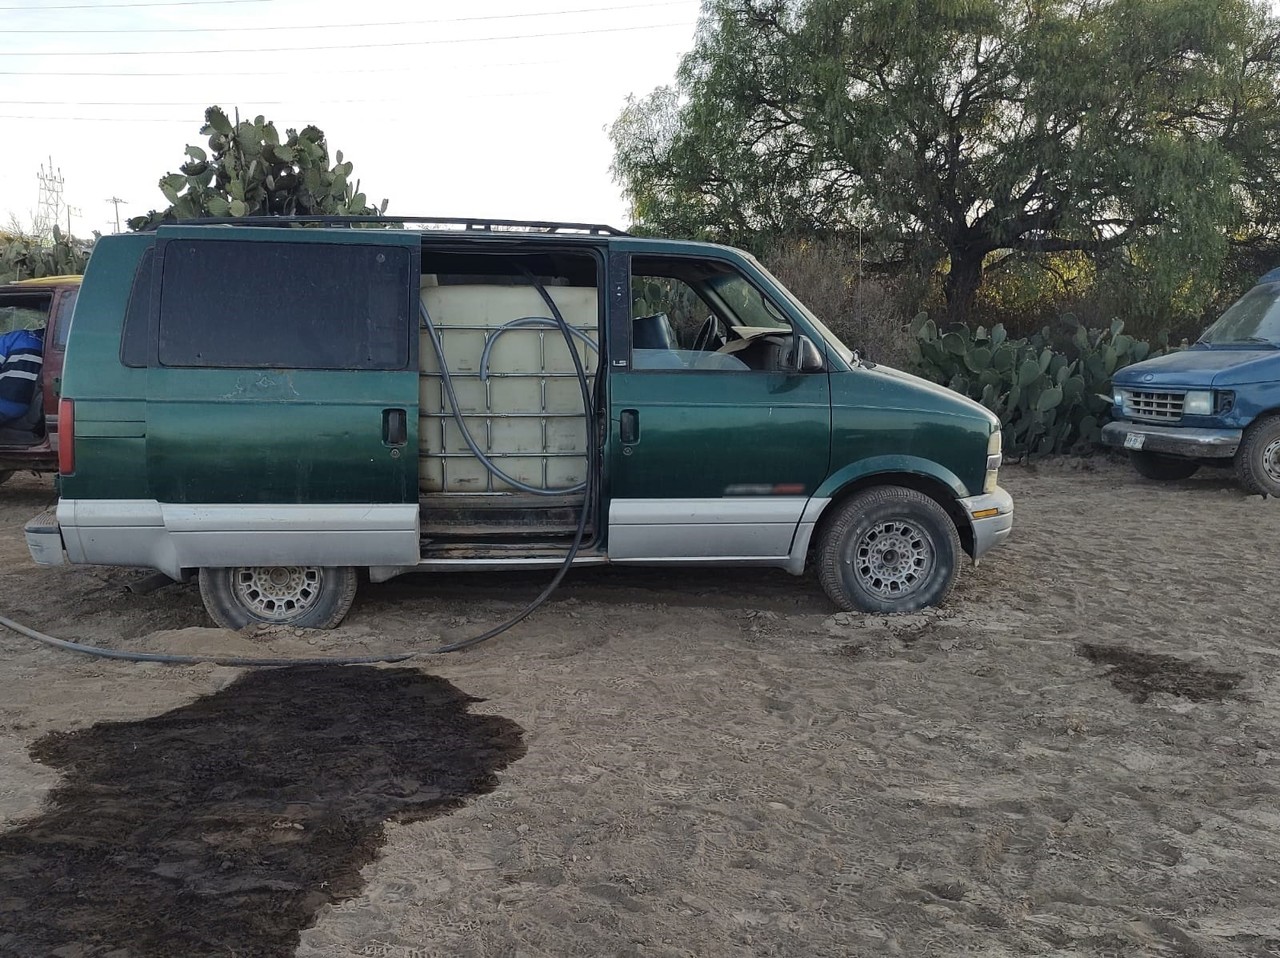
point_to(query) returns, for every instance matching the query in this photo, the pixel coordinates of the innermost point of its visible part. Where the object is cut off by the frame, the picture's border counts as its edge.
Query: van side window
(137, 316)
(62, 323)
(229, 303)
(702, 314)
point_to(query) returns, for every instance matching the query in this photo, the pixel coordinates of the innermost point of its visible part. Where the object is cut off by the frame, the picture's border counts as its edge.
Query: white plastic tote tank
(527, 415)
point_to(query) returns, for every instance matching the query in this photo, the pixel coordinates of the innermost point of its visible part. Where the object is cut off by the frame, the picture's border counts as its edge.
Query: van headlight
(994, 458)
(1198, 402)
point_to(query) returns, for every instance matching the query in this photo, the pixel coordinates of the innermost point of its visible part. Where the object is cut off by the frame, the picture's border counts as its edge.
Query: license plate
(1134, 440)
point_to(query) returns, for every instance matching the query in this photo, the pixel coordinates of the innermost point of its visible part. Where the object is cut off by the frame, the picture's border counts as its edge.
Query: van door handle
(629, 426)
(395, 427)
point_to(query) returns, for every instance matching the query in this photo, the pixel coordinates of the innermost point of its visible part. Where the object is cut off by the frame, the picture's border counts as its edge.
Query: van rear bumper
(44, 539)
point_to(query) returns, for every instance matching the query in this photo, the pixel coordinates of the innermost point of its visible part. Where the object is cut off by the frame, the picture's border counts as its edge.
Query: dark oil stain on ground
(1140, 673)
(220, 828)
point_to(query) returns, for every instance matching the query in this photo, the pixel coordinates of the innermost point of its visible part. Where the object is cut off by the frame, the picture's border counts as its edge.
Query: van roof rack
(464, 223)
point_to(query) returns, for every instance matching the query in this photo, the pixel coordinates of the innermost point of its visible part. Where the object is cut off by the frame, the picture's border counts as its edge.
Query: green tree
(956, 133)
(249, 171)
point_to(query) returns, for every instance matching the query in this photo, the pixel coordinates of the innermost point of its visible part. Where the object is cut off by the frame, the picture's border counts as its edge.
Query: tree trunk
(962, 284)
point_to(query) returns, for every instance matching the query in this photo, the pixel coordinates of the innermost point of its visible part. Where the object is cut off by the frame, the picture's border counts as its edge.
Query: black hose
(588, 406)
(170, 658)
(198, 658)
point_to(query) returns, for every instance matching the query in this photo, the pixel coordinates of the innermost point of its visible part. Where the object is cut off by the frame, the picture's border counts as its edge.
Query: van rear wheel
(303, 597)
(888, 549)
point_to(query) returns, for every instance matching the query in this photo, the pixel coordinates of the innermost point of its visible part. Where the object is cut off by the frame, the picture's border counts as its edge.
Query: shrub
(1051, 392)
(868, 314)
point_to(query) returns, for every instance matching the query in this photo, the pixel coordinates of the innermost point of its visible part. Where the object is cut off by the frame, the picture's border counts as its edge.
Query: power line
(412, 68)
(203, 103)
(96, 119)
(341, 46)
(349, 26)
(122, 6)
(415, 97)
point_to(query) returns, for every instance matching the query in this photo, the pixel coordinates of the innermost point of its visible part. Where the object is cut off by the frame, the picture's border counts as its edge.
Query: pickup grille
(1153, 406)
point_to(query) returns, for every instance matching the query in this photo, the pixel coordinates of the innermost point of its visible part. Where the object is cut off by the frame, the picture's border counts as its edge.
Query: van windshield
(1253, 320)
(832, 339)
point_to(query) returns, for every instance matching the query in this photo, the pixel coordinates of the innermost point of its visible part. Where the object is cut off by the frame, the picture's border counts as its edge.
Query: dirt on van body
(1079, 755)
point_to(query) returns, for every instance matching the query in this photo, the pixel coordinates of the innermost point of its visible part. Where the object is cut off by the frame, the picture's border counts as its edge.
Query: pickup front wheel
(1258, 458)
(303, 597)
(888, 549)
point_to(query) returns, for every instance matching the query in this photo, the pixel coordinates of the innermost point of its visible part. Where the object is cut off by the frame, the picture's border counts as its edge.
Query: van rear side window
(229, 303)
(137, 316)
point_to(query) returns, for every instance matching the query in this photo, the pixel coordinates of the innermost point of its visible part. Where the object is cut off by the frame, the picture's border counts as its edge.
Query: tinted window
(133, 344)
(284, 305)
(66, 308)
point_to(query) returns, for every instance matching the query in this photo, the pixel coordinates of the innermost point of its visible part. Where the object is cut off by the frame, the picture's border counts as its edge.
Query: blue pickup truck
(1216, 403)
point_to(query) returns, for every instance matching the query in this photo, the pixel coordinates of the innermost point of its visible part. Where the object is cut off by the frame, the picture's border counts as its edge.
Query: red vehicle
(31, 443)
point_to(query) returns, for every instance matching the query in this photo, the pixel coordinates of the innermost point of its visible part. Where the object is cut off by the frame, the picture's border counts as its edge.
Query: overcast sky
(436, 114)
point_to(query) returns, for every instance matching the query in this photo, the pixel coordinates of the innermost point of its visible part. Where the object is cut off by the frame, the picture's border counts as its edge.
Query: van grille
(1153, 406)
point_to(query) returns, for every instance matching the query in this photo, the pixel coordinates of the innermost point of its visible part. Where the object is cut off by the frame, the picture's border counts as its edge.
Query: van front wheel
(888, 549)
(1258, 458)
(303, 597)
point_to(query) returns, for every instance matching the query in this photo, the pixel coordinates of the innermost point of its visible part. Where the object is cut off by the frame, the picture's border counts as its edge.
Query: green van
(275, 405)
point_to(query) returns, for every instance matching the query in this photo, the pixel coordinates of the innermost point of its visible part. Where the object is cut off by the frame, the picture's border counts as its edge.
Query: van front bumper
(44, 539)
(1185, 441)
(991, 518)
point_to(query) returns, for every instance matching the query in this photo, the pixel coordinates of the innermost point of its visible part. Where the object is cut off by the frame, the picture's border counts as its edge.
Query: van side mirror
(804, 356)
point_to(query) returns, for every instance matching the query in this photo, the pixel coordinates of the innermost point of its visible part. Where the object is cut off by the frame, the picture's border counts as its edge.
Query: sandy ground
(717, 765)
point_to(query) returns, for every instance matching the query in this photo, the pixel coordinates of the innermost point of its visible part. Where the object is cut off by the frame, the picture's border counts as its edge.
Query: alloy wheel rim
(277, 593)
(1271, 461)
(893, 559)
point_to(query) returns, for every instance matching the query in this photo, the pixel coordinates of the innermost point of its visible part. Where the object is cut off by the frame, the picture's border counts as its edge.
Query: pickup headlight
(1198, 402)
(994, 458)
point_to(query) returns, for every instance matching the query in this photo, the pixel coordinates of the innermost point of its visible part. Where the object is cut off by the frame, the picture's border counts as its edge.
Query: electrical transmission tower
(49, 210)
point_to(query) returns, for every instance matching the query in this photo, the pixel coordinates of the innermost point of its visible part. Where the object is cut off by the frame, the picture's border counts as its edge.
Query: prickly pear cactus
(1052, 396)
(22, 257)
(248, 170)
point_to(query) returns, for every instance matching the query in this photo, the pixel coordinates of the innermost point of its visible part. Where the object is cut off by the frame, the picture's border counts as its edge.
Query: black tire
(1258, 458)
(908, 546)
(302, 597)
(1152, 465)
(5, 475)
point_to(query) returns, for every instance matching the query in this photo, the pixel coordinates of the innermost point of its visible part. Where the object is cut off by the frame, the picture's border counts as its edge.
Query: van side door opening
(518, 395)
